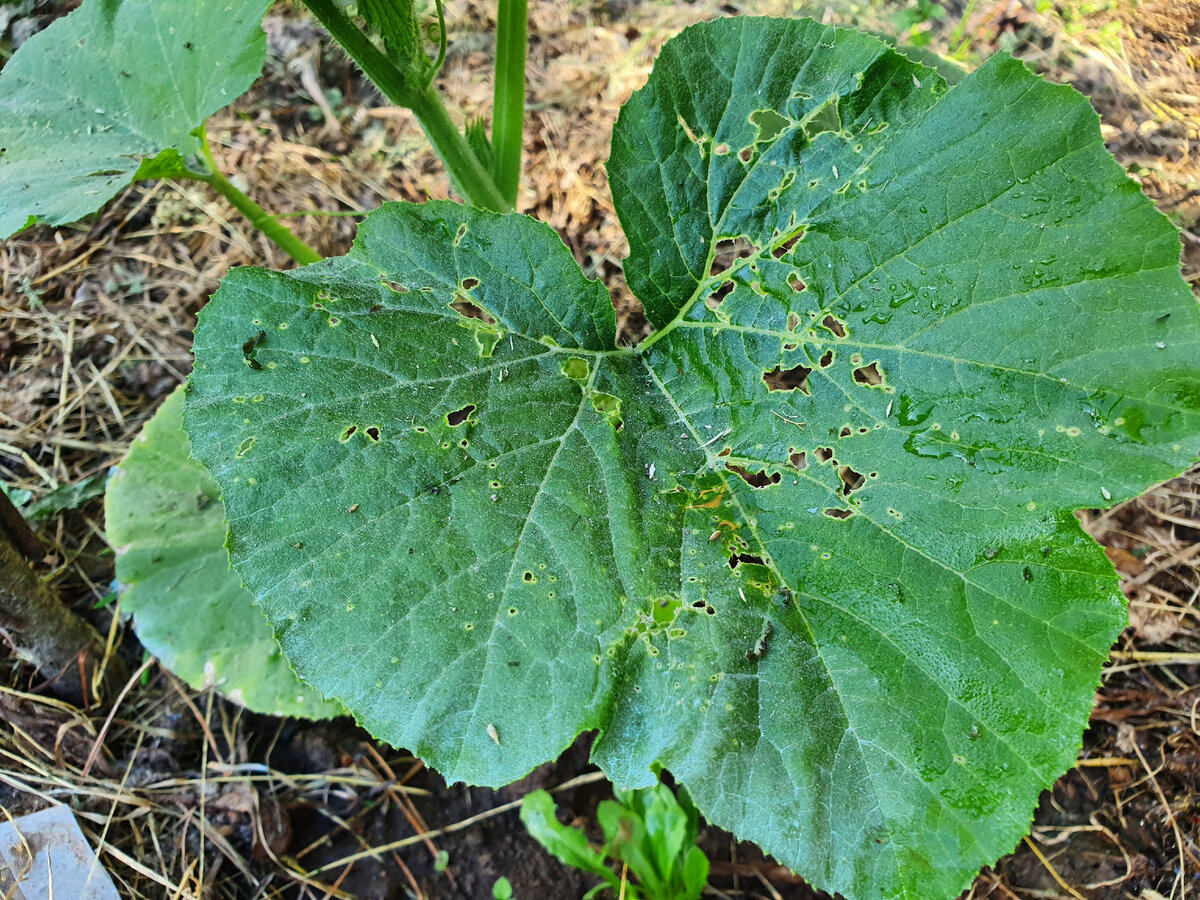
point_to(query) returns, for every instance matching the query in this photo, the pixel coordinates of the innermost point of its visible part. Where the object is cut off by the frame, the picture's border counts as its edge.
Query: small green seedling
(648, 832)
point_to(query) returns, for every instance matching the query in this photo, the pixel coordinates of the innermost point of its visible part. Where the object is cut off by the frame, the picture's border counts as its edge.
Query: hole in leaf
(823, 454)
(799, 460)
(610, 407)
(728, 251)
(834, 325)
(784, 248)
(725, 451)
(795, 283)
(746, 154)
(395, 287)
(459, 415)
(373, 433)
(839, 513)
(754, 479)
(826, 118)
(717, 297)
(739, 558)
(845, 432)
(460, 234)
(868, 375)
(469, 310)
(527, 577)
(793, 321)
(347, 433)
(793, 379)
(769, 124)
(851, 480)
(470, 283)
(721, 149)
(826, 359)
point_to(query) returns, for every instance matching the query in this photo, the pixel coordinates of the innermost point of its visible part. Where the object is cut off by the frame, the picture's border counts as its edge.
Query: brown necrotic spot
(459, 415)
(839, 513)
(746, 154)
(793, 321)
(793, 379)
(835, 325)
(470, 283)
(826, 359)
(868, 375)
(755, 479)
(796, 283)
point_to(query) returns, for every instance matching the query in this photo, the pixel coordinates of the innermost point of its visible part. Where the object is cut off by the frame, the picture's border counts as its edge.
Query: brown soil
(189, 796)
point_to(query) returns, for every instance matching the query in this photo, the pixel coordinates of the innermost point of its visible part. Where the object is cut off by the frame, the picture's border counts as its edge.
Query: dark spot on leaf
(754, 479)
(1027, 574)
(460, 234)
(459, 415)
(834, 325)
(373, 433)
(869, 375)
(514, 663)
(469, 310)
(851, 480)
(470, 283)
(826, 359)
(793, 379)
(187, 45)
(527, 577)
(845, 432)
(725, 451)
(839, 513)
(347, 433)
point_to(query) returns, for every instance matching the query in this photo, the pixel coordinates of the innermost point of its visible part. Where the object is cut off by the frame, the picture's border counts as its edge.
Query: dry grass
(188, 796)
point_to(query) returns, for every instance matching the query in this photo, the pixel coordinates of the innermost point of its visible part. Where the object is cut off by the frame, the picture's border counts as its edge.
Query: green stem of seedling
(467, 174)
(508, 121)
(280, 235)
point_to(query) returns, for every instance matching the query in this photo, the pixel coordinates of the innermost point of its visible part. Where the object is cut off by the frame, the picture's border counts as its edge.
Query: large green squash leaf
(810, 547)
(165, 519)
(112, 92)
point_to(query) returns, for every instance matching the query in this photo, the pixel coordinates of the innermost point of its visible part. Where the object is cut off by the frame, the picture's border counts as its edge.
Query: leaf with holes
(810, 546)
(111, 93)
(165, 518)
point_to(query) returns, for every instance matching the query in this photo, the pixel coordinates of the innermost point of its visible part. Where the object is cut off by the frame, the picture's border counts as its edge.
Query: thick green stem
(467, 175)
(508, 120)
(280, 235)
